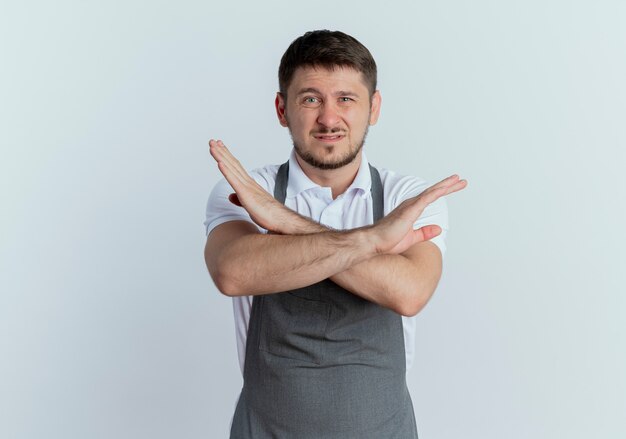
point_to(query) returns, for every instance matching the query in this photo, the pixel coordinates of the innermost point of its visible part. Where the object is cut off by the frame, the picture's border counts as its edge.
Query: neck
(337, 179)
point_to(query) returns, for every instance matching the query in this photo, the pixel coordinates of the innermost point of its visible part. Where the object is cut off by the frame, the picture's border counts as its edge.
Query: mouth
(329, 138)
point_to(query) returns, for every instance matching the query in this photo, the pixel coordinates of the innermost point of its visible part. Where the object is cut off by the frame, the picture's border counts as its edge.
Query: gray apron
(322, 363)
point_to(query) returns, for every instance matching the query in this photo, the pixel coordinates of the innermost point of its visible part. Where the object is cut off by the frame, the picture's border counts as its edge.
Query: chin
(327, 162)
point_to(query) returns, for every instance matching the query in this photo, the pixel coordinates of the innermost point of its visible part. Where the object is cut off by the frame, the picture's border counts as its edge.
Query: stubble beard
(348, 158)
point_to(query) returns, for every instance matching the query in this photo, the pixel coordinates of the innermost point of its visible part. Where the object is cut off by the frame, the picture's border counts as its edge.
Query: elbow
(228, 284)
(412, 303)
(410, 308)
(225, 267)
(225, 279)
(225, 287)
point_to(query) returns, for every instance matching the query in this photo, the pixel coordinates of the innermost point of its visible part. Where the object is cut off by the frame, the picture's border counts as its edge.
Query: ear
(280, 108)
(375, 107)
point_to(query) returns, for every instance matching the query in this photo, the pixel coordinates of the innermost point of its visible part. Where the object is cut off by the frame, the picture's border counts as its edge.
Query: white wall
(110, 326)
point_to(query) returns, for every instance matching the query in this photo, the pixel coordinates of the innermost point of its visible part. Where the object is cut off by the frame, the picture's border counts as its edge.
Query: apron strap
(282, 177)
(377, 194)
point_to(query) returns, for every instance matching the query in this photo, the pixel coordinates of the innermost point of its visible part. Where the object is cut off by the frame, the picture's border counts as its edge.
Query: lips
(329, 137)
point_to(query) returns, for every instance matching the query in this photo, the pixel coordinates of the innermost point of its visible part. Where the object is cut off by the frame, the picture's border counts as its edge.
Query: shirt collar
(299, 182)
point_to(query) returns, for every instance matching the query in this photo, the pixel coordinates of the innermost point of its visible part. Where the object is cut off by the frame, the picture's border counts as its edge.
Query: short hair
(327, 49)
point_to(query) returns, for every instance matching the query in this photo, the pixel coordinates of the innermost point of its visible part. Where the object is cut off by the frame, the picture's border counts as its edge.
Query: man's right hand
(262, 207)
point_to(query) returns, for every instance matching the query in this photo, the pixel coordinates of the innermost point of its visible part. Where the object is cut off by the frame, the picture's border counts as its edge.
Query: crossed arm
(388, 263)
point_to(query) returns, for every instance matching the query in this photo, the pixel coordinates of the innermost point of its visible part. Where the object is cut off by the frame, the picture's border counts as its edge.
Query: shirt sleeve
(219, 209)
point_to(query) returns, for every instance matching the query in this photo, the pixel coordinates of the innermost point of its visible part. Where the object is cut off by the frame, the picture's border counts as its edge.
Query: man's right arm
(243, 261)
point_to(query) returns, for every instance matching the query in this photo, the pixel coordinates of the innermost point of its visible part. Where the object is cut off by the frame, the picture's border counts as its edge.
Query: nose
(328, 115)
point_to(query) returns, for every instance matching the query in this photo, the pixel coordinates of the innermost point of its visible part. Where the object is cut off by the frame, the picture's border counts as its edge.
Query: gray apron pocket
(294, 327)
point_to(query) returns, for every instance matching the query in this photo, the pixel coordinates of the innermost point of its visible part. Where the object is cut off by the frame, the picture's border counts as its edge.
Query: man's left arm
(402, 282)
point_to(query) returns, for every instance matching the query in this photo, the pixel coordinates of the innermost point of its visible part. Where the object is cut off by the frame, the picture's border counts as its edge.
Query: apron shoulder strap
(282, 177)
(377, 194)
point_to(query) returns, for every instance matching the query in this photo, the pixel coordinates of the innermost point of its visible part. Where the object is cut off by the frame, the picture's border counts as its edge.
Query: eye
(345, 99)
(311, 102)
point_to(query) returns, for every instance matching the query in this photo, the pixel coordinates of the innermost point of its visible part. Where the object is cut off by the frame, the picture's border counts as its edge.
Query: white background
(110, 326)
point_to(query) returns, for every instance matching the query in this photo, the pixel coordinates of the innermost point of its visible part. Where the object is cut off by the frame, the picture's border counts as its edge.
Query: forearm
(391, 281)
(267, 263)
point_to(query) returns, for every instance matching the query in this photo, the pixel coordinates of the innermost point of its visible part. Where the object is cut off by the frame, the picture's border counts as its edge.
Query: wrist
(365, 239)
(292, 223)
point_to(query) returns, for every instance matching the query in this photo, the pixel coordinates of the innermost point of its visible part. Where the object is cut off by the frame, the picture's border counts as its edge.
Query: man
(326, 257)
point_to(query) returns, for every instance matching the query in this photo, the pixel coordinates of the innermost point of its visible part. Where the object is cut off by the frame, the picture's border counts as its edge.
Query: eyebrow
(316, 91)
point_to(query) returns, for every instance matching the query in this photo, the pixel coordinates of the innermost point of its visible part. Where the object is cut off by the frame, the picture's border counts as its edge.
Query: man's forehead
(307, 77)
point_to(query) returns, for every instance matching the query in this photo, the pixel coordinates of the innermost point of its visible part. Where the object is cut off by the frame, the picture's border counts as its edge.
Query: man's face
(328, 113)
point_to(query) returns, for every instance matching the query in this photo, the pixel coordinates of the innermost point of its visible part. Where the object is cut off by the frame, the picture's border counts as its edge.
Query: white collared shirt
(349, 210)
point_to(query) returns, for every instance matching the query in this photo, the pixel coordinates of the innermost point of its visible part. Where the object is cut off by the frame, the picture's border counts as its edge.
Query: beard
(346, 159)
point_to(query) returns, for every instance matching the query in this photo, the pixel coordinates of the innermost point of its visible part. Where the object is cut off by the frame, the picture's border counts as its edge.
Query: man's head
(327, 49)
(327, 97)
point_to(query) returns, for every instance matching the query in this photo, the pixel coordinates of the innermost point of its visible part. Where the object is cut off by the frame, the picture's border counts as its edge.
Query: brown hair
(328, 49)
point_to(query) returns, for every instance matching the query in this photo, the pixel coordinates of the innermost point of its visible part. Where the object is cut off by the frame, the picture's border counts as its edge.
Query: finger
(444, 187)
(242, 182)
(459, 185)
(229, 166)
(211, 143)
(452, 183)
(426, 233)
(446, 182)
(231, 177)
(214, 150)
(424, 199)
(227, 156)
(244, 185)
(233, 164)
(430, 196)
(218, 149)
